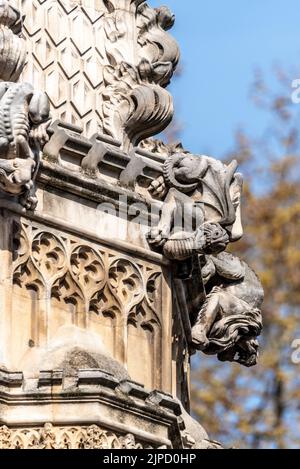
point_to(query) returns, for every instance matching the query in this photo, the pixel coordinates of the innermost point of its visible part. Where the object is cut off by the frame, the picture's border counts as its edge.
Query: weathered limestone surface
(103, 64)
(113, 263)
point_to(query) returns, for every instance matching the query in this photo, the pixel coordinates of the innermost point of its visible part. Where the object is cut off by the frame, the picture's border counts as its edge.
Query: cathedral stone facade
(113, 256)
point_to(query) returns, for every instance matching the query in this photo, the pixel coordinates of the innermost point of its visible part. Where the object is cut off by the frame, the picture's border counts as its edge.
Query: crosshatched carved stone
(118, 50)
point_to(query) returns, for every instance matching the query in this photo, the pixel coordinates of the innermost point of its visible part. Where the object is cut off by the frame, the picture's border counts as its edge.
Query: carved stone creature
(230, 319)
(24, 118)
(202, 197)
(200, 216)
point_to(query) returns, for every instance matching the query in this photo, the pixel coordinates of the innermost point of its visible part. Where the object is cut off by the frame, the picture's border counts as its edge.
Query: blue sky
(222, 43)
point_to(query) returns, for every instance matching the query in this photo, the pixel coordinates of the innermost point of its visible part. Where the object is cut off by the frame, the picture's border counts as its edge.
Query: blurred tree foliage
(259, 407)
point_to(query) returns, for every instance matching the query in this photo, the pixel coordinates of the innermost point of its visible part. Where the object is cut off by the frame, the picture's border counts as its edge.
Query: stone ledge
(96, 377)
(99, 155)
(92, 383)
(96, 398)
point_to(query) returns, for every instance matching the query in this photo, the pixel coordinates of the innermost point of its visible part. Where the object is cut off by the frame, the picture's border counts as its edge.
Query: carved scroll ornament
(12, 46)
(135, 103)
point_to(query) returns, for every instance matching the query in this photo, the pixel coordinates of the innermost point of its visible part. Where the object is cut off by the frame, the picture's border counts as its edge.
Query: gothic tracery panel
(61, 281)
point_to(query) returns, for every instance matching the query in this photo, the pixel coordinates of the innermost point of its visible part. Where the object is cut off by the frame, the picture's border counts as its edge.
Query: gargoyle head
(16, 175)
(234, 338)
(216, 238)
(245, 352)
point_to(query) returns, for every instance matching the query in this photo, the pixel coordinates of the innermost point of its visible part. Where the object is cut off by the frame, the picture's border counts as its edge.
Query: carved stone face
(245, 352)
(16, 175)
(189, 168)
(216, 238)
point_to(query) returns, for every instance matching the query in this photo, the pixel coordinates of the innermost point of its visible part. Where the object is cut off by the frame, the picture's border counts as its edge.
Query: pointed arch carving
(61, 281)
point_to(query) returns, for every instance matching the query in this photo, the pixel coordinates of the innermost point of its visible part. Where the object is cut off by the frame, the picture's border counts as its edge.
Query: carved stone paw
(39, 134)
(159, 235)
(158, 188)
(199, 338)
(30, 203)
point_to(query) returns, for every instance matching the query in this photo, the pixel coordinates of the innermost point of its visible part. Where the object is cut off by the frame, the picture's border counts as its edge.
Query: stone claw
(158, 236)
(158, 187)
(199, 338)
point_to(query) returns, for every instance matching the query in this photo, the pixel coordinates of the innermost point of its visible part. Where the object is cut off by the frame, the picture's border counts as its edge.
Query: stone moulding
(117, 408)
(55, 437)
(52, 222)
(121, 414)
(69, 148)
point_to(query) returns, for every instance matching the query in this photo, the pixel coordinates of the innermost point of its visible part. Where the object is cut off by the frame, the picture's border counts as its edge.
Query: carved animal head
(244, 352)
(183, 171)
(216, 238)
(16, 175)
(234, 338)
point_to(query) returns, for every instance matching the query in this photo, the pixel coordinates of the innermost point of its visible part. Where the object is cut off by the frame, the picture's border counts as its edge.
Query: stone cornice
(96, 388)
(68, 148)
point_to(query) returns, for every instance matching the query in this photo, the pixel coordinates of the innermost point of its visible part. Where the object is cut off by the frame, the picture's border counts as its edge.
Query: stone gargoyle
(24, 118)
(200, 216)
(198, 191)
(230, 318)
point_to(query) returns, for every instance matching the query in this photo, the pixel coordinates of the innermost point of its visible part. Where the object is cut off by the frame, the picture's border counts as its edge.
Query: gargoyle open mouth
(244, 352)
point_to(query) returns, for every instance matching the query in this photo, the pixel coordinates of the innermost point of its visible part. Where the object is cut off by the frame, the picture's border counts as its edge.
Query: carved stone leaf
(55, 437)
